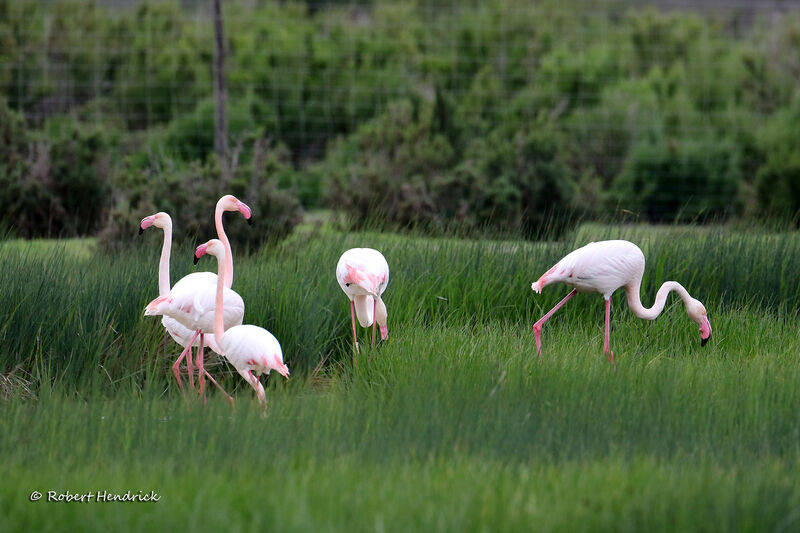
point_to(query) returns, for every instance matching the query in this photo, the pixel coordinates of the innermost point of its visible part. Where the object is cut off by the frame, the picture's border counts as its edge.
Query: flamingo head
(367, 281)
(697, 312)
(230, 203)
(160, 220)
(213, 247)
(279, 366)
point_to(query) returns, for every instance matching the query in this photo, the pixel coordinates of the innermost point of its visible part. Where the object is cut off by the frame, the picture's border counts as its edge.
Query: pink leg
(214, 381)
(175, 369)
(606, 342)
(374, 308)
(258, 387)
(353, 319)
(200, 369)
(189, 362)
(537, 327)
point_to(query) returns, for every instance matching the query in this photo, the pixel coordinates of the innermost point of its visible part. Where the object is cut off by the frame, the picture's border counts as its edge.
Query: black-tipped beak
(704, 341)
(250, 221)
(141, 230)
(196, 259)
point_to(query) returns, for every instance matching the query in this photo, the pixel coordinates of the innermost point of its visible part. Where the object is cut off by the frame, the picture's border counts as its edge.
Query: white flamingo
(180, 333)
(363, 274)
(248, 348)
(604, 267)
(191, 301)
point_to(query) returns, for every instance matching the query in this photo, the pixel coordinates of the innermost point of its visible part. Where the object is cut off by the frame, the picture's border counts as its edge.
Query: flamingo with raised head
(363, 275)
(248, 348)
(198, 316)
(179, 333)
(604, 267)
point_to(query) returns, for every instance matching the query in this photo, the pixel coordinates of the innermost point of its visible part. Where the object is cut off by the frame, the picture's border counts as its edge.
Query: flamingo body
(363, 275)
(600, 267)
(193, 306)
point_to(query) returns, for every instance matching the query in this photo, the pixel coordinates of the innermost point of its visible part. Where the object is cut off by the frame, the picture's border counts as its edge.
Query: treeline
(492, 114)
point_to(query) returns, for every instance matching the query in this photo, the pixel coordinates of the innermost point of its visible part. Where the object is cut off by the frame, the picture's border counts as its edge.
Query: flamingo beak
(705, 330)
(200, 252)
(146, 223)
(245, 211)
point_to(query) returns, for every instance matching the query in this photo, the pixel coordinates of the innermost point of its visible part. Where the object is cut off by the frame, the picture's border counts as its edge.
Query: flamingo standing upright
(179, 333)
(363, 275)
(604, 267)
(248, 348)
(179, 303)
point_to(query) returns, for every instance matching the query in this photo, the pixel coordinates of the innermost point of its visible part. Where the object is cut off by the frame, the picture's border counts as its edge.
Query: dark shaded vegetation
(482, 115)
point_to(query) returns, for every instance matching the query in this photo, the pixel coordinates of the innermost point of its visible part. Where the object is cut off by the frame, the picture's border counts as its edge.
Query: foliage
(670, 181)
(188, 192)
(56, 183)
(778, 180)
(335, 83)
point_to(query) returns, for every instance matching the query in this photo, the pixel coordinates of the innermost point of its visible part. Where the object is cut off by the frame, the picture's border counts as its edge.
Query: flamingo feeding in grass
(248, 348)
(363, 274)
(191, 300)
(604, 267)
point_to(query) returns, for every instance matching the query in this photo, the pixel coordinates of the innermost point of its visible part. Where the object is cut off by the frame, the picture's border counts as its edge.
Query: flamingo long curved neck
(635, 302)
(163, 263)
(224, 239)
(219, 324)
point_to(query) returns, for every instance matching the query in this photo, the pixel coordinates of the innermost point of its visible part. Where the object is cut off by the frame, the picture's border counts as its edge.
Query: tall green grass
(74, 322)
(453, 424)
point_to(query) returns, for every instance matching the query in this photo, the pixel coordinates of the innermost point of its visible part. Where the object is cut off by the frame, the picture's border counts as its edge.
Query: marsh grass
(453, 424)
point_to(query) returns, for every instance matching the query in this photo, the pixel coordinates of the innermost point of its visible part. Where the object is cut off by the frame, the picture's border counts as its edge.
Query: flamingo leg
(353, 319)
(607, 342)
(256, 384)
(537, 327)
(189, 367)
(374, 321)
(200, 369)
(175, 369)
(214, 381)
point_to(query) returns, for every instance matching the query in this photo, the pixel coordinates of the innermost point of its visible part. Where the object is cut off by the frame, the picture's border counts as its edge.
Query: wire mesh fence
(635, 97)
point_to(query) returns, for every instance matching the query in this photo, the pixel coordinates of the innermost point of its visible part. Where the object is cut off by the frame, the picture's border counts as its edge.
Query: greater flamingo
(604, 267)
(248, 348)
(179, 304)
(180, 333)
(363, 274)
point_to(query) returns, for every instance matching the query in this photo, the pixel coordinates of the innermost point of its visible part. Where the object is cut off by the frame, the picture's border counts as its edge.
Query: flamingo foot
(537, 334)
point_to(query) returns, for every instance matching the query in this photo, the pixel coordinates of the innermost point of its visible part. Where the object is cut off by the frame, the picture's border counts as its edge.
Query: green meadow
(453, 424)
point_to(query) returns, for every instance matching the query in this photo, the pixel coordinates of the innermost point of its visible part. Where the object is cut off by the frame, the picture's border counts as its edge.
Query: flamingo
(179, 333)
(363, 274)
(604, 267)
(180, 304)
(248, 348)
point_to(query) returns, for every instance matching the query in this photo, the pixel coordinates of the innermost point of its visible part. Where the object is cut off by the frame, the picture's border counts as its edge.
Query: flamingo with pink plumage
(604, 267)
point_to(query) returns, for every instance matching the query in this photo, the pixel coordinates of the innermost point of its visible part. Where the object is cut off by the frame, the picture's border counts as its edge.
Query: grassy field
(452, 425)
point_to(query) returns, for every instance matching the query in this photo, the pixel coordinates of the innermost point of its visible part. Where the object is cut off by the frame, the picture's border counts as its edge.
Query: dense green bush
(687, 180)
(189, 192)
(778, 180)
(54, 182)
(478, 114)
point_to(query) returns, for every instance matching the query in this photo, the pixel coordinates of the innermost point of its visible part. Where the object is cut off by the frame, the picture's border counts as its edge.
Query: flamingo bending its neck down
(248, 348)
(363, 275)
(604, 267)
(181, 304)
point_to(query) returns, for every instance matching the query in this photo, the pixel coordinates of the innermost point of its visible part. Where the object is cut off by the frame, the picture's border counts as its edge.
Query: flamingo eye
(346, 284)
